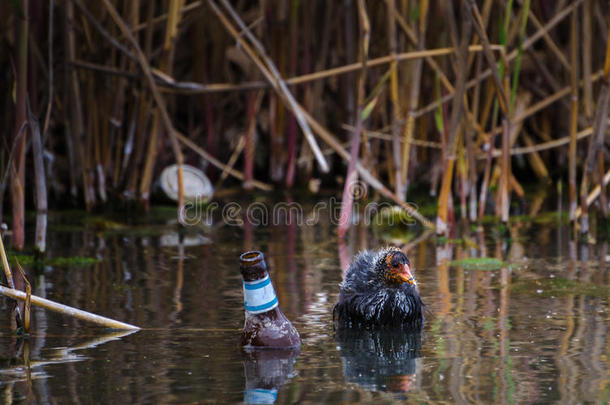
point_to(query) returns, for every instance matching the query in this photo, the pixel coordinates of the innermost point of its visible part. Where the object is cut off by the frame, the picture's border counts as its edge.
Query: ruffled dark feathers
(366, 300)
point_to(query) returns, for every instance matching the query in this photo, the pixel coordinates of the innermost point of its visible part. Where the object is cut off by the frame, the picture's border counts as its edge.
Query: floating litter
(197, 186)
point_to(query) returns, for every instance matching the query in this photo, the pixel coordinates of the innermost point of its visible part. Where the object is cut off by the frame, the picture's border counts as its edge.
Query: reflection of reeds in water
(489, 332)
(462, 97)
(25, 369)
(486, 339)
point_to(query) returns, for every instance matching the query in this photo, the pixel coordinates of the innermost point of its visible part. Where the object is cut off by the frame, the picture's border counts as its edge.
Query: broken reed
(259, 93)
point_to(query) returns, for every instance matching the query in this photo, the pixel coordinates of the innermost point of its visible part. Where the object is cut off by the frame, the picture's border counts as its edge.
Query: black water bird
(380, 291)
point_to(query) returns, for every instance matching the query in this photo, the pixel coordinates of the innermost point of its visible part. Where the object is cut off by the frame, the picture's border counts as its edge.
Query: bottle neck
(259, 295)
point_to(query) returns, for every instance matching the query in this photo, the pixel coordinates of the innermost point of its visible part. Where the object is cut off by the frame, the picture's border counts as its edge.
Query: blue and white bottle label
(260, 396)
(259, 296)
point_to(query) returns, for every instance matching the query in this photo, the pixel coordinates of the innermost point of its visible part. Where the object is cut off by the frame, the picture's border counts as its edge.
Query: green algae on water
(29, 260)
(478, 263)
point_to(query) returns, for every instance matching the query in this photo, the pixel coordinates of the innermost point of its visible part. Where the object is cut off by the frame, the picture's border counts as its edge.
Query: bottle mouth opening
(251, 258)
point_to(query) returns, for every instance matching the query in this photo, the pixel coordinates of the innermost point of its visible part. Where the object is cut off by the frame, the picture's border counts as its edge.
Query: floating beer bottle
(265, 325)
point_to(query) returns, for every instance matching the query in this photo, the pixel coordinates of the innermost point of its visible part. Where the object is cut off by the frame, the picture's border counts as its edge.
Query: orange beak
(405, 274)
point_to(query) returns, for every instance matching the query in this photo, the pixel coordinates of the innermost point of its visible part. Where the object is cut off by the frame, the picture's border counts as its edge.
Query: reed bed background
(468, 99)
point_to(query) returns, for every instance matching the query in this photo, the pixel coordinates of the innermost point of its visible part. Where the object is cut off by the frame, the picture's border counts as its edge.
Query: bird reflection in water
(266, 371)
(380, 360)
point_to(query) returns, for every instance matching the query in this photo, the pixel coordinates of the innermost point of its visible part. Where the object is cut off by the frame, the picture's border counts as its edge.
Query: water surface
(534, 330)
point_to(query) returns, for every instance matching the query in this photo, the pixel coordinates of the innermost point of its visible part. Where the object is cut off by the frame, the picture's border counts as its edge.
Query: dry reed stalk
(153, 146)
(573, 116)
(352, 175)
(51, 77)
(594, 194)
(587, 27)
(603, 198)
(363, 172)
(292, 124)
(112, 71)
(162, 17)
(313, 92)
(277, 113)
(549, 41)
(535, 160)
(479, 26)
(415, 42)
(542, 104)
(388, 137)
(276, 138)
(528, 43)
(169, 84)
(400, 57)
(95, 128)
(413, 38)
(546, 145)
(395, 106)
(470, 177)
(462, 175)
(9, 169)
(165, 66)
(525, 10)
(211, 138)
(481, 114)
(9, 275)
(330, 151)
(554, 85)
(17, 179)
(40, 185)
(518, 106)
(416, 73)
(157, 96)
(505, 172)
(533, 148)
(28, 298)
(543, 68)
(442, 215)
(140, 119)
(241, 143)
(489, 106)
(163, 79)
(77, 126)
(134, 148)
(201, 71)
(212, 160)
(40, 182)
(116, 108)
(269, 71)
(252, 107)
(67, 310)
(596, 142)
(487, 170)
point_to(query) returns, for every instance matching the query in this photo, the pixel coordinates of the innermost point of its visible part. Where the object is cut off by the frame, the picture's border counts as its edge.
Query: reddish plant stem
(292, 124)
(352, 174)
(250, 133)
(18, 167)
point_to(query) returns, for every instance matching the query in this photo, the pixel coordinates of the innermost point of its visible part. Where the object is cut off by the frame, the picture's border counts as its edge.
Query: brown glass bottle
(265, 325)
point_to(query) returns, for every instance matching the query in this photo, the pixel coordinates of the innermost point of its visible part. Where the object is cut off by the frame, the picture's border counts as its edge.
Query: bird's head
(394, 269)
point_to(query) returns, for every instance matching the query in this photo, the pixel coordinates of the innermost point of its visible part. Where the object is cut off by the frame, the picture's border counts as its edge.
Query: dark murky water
(536, 331)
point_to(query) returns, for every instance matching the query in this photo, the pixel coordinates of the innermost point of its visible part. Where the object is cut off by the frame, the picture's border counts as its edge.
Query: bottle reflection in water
(265, 325)
(266, 371)
(380, 360)
(271, 342)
